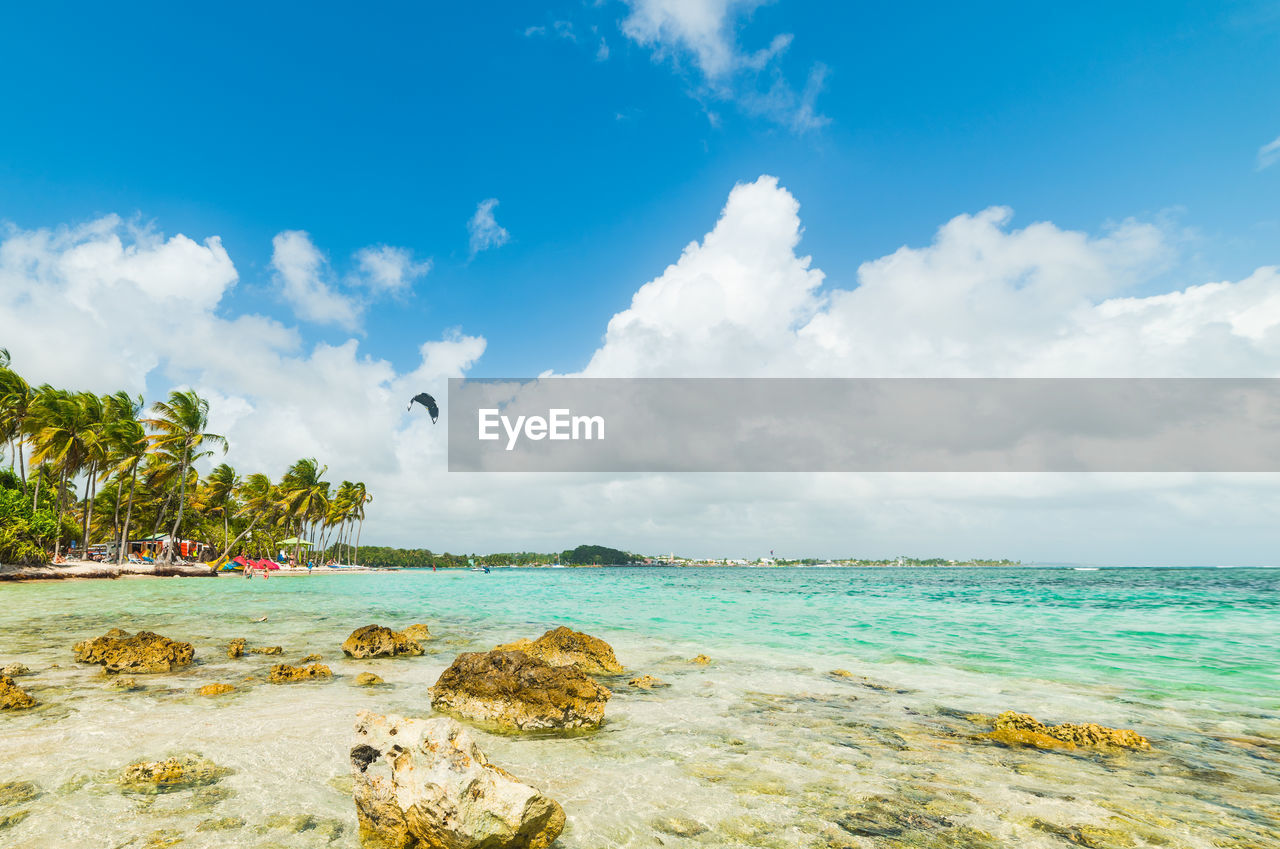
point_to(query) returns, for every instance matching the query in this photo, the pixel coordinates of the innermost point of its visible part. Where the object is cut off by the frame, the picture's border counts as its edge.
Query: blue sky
(988, 189)
(389, 125)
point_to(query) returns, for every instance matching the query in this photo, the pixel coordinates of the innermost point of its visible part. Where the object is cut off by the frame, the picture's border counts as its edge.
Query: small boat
(1084, 568)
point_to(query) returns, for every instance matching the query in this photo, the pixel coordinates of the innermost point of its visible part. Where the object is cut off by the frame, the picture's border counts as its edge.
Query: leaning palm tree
(180, 426)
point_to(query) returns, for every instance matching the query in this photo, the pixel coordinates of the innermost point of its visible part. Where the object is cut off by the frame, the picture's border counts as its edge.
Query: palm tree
(180, 426)
(58, 435)
(16, 397)
(93, 418)
(128, 446)
(220, 490)
(305, 496)
(361, 497)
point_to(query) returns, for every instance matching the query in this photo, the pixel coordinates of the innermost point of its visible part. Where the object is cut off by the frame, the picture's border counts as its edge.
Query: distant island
(600, 555)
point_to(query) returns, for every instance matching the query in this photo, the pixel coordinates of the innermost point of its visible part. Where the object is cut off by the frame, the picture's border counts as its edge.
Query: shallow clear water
(761, 748)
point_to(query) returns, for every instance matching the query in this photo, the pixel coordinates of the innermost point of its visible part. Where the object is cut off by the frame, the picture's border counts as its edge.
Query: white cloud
(1269, 154)
(705, 32)
(303, 274)
(384, 268)
(484, 229)
(982, 297)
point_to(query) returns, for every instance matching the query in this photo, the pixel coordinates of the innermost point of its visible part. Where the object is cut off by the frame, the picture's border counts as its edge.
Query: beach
(760, 747)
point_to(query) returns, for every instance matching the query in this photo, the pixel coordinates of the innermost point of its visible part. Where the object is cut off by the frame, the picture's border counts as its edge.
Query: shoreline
(88, 570)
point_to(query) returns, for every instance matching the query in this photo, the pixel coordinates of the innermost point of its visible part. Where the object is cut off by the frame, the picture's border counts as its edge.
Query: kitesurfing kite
(427, 401)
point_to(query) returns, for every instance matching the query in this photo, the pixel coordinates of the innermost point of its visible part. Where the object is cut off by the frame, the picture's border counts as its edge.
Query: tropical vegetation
(83, 469)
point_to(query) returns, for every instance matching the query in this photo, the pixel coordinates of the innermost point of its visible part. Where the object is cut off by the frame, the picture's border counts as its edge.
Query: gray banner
(864, 425)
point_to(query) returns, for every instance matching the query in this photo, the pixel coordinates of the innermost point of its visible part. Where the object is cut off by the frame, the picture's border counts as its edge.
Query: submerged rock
(379, 641)
(267, 650)
(15, 670)
(368, 679)
(701, 660)
(13, 697)
(215, 689)
(17, 792)
(220, 824)
(679, 826)
(311, 658)
(143, 652)
(125, 683)
(647, 682)
(283, 673)
(10, 820)
(1020, 729)
(424, 784)
(177, 773)
(418, 633)
(565, 647)
(236, 647)
(841, 673)
(520, 692)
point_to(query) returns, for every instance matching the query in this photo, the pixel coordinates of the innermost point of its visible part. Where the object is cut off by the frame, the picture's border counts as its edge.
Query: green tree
(180, 424)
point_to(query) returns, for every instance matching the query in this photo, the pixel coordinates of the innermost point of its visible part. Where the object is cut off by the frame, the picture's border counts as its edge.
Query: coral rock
(418, 633)
(215, 689)
(377, 641)
(701, 660)
(368, 679)
(13, 697)
(283, 673)
(143, 652)
(648, 682)
(176, 773)
(516, 691)
(565, 647)
(424, 784)
(1013, 728)
(236, 647)
(14, 670)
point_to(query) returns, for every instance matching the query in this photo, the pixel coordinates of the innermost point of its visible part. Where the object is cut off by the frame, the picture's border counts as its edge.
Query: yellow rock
(701, 660)
(215, 689)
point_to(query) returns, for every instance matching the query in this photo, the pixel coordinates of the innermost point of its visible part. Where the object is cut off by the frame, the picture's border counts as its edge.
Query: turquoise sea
(761, 748)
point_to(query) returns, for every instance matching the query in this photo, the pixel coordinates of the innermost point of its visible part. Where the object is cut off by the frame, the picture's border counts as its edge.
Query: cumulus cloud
(704, 32)
(984, 296)
(484, 229)
(1269, 154)
(384, 268)
(982, 299)
(303, 274)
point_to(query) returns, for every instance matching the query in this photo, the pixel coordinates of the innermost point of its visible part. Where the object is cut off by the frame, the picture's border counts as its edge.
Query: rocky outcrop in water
(368, 679)
(1020, 729)
(215, 690)
(419, 633)
(516, 691)
(379, 641)
(647, 682)
(701, 660)
(177, 773)
(13, 697)
(565, 647)
(15, 670)
(283, 673)
(236, 647)
(143, 652)
(424, 784)
(271, 650)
